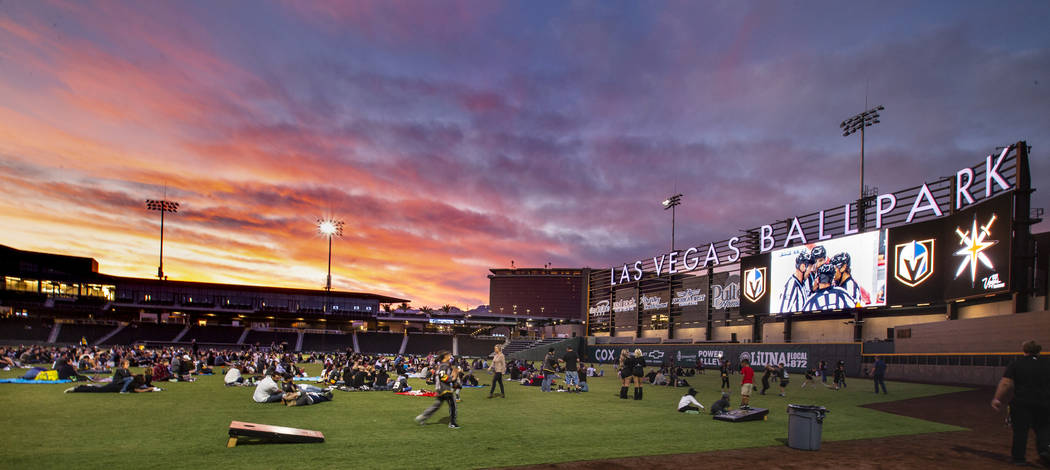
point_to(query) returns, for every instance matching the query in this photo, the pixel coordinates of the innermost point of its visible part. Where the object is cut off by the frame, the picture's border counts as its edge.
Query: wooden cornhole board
(277, 434)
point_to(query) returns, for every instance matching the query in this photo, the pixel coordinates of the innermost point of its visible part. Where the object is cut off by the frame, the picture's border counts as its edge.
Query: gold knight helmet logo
(754, 284)
(914, 262)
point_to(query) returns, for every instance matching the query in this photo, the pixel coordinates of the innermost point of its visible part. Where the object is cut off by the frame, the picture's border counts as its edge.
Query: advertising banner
(977, 249)
(691, 301)
(797, 358)
(842, 273)
(625, 309)
(725, 295)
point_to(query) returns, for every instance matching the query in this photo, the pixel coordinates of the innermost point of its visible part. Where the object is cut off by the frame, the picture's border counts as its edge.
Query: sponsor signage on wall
(754, 299)
(796, 357)
(977, 250)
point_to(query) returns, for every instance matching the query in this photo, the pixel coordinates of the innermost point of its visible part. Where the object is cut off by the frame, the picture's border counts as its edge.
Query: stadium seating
(313, 342)
(18, 329)
(419, 343)
(72, 332)
(144, 332)
(471, 346)
(264, 338)
(214, 334)
(380, 343)
(522, 345)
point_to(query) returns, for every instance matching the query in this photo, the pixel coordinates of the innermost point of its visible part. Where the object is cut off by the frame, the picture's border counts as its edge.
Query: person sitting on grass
(583, 383)
(721, 406)
(304, 398)
(201, 366)
(268, 390)
(66, 371)
(122, 382)
(233, 376)
(688, 403)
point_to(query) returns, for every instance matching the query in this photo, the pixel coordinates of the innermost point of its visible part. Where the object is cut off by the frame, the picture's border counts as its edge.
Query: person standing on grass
(724, 370)
(822, 367)
(572, 374)
(637, 367)
(549, 363)
(879, 375)
(625, 373)
(765, 378)
(782, 372)
(1028, 380)
(498, 366)
(747, 384)
(445, 375)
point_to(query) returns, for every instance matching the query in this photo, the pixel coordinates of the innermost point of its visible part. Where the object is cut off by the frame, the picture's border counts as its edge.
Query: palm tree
(446, 308)
(387, 308)
(403, 307)
(425, 310)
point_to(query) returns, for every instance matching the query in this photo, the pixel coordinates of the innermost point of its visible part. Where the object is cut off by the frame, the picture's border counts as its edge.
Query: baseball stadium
(898, 326)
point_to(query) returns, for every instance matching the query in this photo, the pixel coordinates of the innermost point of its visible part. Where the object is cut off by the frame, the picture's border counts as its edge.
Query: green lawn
(185, 426)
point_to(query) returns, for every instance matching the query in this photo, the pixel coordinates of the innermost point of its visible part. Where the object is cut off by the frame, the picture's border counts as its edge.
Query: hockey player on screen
(828, 296)
(820, 257)
(793, 299)
(844, 279)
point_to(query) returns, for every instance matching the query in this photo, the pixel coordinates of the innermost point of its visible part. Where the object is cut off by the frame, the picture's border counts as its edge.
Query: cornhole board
(739, 416)
(276, 434)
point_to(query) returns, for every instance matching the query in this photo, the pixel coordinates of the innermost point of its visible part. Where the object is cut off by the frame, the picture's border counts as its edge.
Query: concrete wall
(985, 310)
(693, 333)
(821, 331)
(875, 327)
(725, 333)
(654, 334)
(965, 375)
(1001, 333)
(773, 332)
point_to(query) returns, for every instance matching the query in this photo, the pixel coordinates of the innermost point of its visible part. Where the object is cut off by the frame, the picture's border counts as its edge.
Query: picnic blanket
(309, 379)
(418, 393)
(474, 386)
(24, 381)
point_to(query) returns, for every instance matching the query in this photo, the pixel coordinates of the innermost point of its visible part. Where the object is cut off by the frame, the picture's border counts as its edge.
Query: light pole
(859, 122)
(330, 228)
(671, 203)
(162, 206)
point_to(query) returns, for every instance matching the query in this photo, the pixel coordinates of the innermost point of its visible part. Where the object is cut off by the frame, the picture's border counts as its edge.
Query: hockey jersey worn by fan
(829, 298)
(794, 297)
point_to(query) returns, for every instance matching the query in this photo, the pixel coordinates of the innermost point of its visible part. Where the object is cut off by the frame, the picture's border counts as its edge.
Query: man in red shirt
(747, 384)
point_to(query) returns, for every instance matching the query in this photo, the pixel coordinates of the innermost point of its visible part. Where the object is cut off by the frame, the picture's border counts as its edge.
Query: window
(22, 285)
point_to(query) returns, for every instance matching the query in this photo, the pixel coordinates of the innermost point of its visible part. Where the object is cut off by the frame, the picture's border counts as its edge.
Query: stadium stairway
(299, 342)
(109, 335)
(537, 349)
(357, 347)
(455, 345)
(181, 334)
(244, 335)
(51, 338)
(404, 344)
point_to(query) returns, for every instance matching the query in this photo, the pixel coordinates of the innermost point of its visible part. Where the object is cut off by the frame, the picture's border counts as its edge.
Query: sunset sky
(457, 136)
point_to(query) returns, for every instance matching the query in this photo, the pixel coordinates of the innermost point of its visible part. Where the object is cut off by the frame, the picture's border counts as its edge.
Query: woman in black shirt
(637, 371)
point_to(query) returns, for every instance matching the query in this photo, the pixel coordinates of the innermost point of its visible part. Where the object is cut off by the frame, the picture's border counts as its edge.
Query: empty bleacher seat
(380, 343)
(419, 343)
(317, 342)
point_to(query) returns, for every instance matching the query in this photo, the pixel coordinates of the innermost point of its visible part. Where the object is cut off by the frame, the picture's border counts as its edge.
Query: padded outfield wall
(797, 357)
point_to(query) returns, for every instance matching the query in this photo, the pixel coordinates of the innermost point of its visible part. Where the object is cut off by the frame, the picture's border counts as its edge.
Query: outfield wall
(796, 356)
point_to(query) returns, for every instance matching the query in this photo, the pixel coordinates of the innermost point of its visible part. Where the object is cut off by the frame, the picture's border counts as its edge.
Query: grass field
(185, 426)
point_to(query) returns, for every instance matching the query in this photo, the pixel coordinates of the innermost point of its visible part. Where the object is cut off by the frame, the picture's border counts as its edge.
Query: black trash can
(804, 426)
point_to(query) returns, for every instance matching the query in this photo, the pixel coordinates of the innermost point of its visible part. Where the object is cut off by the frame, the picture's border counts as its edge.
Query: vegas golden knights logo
(915, 262)
(754, 284)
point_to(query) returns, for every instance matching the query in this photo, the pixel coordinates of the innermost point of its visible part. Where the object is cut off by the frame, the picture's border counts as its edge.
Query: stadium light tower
(330, 228)
(857, 123)
(162, 206)
(671, 203)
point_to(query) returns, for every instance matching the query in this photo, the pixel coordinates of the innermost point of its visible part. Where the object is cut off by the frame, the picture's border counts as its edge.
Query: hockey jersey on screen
(794, 296)
(828, 299)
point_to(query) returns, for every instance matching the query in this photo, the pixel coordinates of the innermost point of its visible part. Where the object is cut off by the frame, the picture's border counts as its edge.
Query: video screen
(840, 273)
